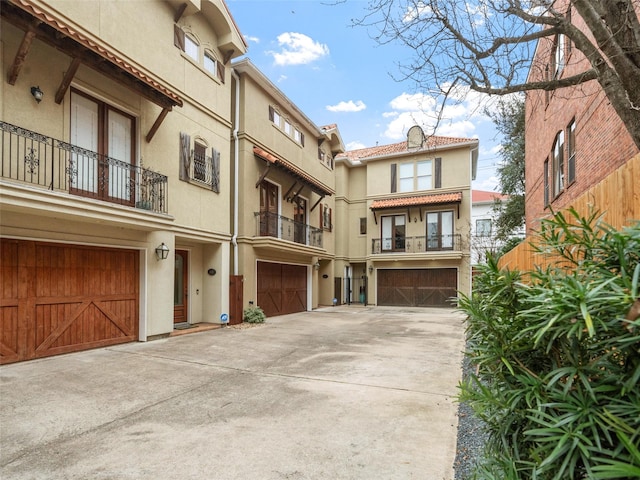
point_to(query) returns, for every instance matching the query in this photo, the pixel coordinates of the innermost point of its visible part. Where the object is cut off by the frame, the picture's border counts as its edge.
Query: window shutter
(321, 215)
(271, 112)
(394, 181)
(215, 170)
(185, 157)
(302, 139)
(220, 68)
(178, 37)
(330, 220)
(438, 167)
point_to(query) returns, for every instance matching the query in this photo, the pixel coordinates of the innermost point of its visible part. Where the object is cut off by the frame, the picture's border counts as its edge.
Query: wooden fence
(616, 198)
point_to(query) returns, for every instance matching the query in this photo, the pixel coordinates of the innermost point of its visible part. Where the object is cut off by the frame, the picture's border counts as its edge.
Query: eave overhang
(422, 202)
(53, 30)
(297, 173)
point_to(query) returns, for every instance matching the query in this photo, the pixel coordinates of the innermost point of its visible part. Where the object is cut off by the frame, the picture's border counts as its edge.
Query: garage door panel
(282, 288)
(417, 288)
(69, 298)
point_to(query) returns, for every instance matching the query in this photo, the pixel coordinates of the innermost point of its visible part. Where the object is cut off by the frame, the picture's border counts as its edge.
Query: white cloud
(419, 10)
(488, 184)
(298, 49)
(355, 145)
(282, 78)
(349, 106)
(250, 39)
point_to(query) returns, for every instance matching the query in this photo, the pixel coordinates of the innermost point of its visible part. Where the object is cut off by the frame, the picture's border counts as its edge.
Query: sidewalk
(338, 393)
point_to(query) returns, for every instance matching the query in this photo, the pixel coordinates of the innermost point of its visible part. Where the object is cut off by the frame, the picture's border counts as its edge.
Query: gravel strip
(471, 435)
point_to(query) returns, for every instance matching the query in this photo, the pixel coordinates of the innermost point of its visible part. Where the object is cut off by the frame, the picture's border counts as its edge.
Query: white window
(287, 127)
(416, 176)
(423, 175)
(276, 119)
(296, 135)
(210, 64)
(559, 55)
(483, 227)
(191, 47)
(406, 177)
(440, 231)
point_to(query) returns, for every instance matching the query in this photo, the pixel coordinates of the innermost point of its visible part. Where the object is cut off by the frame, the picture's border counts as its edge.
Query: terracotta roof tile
(432, 199)
(297, 172)
(401, 147)
(484, 196)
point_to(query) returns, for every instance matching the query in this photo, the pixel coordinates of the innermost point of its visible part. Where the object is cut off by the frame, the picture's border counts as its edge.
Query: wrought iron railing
(36, 159)
(273, 225)
(433, 243)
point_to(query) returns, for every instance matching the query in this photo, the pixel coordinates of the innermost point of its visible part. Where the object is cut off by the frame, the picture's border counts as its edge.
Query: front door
(181, 287)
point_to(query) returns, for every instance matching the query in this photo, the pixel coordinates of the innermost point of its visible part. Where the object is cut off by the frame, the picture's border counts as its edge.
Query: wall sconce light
(316, 266)
(370, 269)
(162, 252)
(37, 93)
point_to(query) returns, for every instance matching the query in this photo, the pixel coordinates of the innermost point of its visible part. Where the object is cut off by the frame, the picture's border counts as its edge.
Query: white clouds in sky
(349, 106)
(424, 109)
(298, 49)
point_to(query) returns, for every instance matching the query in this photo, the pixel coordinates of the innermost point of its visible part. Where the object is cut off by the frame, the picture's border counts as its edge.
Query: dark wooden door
(268, 209)
(181, 287)
(282, 288)
(417, 288)
(59, 298)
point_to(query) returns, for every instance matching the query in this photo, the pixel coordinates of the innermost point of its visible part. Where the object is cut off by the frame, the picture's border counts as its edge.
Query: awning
(296, 172)
(417, 201)
(433, 199)
(55, 31)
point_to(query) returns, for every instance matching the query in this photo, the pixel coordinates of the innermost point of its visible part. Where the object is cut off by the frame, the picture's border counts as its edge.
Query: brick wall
(602, 142)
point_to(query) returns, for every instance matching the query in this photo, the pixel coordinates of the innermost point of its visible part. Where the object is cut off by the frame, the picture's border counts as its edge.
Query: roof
(432, 143)
(317, 186)
(432, 199)
(481, 196)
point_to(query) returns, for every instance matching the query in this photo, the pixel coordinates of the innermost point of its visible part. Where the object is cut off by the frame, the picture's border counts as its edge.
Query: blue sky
(336, 73)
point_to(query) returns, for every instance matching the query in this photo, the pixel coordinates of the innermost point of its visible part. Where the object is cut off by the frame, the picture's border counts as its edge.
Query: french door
(300, 220)
(268, 209)
(103, 155)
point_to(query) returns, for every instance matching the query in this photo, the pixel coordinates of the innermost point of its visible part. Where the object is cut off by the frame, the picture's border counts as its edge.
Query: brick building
(573, 136)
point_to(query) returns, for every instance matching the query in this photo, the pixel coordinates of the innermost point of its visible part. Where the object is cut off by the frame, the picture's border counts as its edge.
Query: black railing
(433, 243)
(36, 159)
(274, 225)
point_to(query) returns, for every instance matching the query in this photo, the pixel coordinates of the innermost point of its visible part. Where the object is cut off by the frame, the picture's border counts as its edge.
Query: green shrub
(253, 315)
(558, 358)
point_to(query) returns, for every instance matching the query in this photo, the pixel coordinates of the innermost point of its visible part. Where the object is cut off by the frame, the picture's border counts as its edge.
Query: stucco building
(403, 215)
(113, 154)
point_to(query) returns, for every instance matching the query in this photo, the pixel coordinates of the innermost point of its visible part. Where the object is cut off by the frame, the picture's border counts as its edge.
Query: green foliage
(558, 364)
(508, 116)
(253, 315)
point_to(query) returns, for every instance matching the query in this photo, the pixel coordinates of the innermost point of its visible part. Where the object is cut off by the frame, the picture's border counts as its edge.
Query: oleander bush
(558, 357)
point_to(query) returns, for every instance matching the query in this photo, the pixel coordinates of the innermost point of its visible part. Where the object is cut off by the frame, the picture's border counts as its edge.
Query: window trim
(571, 152)
(397, 243)
(189, 37)
(557, 166)
(415, 178)
(441, 245)
(483, 232)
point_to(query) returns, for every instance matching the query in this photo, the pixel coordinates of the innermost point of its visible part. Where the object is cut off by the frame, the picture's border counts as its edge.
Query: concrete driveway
(338, 393)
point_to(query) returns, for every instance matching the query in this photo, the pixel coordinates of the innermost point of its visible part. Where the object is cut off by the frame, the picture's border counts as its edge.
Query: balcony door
(440, 231)
(268, 209)
(300, 220)
(393, 233)
(104, 150)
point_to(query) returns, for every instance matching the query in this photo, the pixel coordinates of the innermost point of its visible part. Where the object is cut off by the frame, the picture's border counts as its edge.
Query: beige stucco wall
(198, 219)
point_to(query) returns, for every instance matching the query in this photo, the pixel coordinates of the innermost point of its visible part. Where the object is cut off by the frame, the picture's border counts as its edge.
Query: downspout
(236, 163)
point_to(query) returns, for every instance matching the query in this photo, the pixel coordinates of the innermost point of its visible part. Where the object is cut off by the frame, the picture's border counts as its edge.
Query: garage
(282, 288)
(417, 288)
(65, 298)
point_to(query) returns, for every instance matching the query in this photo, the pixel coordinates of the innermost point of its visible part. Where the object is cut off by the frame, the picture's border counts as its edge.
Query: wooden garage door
(282, 288)
(60, 298)
(417, 288)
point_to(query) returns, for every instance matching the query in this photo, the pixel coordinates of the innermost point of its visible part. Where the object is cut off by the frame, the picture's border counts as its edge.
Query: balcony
(31, 158)
(435, 243)
(273, 225)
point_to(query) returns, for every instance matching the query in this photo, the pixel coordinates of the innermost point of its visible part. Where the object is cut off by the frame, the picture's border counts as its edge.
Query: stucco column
(157, 285)
(216, 286)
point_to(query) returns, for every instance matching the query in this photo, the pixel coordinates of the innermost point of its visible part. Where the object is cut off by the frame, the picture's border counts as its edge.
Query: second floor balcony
(402, 244)
(32, 158)
(274, 225)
